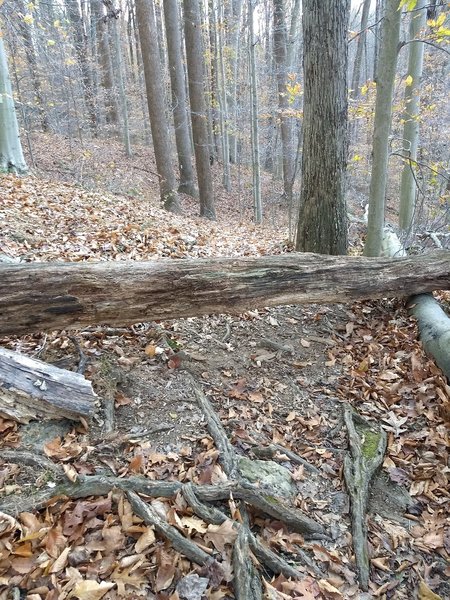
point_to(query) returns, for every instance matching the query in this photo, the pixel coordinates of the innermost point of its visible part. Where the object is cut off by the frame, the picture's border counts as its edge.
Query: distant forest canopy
(235, 85)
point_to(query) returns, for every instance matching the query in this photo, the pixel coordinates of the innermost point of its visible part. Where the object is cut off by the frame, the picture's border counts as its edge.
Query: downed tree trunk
(31, 389)
(434, 329)
(39, 296)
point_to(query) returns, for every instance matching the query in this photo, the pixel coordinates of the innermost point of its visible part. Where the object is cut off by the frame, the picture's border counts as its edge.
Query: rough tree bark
(179, 104)
(322, 225)
(57, 296)
(156, 105)
(390, 32)
(196, 77)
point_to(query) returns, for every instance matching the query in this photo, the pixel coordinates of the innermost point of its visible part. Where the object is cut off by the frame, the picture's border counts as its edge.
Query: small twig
(190, 550)
(32, 460)
(83, 357)
(227, 335)
(273, 345)
(272, 450)
(215, 428)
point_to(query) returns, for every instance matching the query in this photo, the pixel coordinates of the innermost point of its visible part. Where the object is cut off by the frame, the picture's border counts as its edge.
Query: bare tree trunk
(81, 50)
(223, 102)
(179, 103)
(196, 77)
(280, 53)
(11, 155)
(233, 18)
(30, 52)
(382, 126)
(322, 225)
(257, 204)
(156, 106)
(411, 116)
(114, 20)
(359, 49)
(107, 77)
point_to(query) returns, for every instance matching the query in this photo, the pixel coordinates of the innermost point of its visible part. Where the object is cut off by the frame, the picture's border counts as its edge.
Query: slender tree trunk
(223, 102)
(294, 34)
(379, 10)
(214, 106)
(81, 50)
(179, 103)
(30, 52)
(115, 25)
(322, 225)
(382, 126)
(106, 70)
(196, 77)
(156, 107)
(359, 49)
(411, 116)
(280, 53)
(11, 155)
(233, 19)
(257, 204)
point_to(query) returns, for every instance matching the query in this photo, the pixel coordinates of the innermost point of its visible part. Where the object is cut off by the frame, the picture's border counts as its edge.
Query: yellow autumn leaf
(69, 62)
(51, 42)
(409, 80)
(356, 158)
(57, 23)
(364, 90)
(29, 20)
(425, 593)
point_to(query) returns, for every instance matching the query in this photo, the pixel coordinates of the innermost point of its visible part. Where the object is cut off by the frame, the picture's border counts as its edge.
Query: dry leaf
(91, 590)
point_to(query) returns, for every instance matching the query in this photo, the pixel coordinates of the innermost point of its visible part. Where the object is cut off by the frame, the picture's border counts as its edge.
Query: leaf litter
(275, 377)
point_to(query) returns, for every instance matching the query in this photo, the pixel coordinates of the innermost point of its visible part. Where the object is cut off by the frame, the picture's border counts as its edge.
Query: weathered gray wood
(31, 389)
(434, 329)
(40, 296)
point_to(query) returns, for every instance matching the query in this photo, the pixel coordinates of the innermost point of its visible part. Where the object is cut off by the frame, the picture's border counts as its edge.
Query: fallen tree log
(31, 389)
(434, 329)
(42, 296)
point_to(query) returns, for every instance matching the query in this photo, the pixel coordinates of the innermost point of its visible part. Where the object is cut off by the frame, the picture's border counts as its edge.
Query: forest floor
(278, 376)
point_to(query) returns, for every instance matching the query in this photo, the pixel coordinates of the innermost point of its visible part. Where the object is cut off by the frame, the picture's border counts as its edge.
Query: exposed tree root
(367, 448)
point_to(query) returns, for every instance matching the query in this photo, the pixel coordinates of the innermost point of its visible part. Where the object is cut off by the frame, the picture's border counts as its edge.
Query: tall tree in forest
(387, 64)
(156, 105)
(322, 225)
(113, 20)
(411, 115)
(82, 53)
(179, 104)
(196, 78)
(257, 204)
(11, 155)
(106, 69)
(233, 10)
(359, 49)
(30, 51)
(280, 54)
